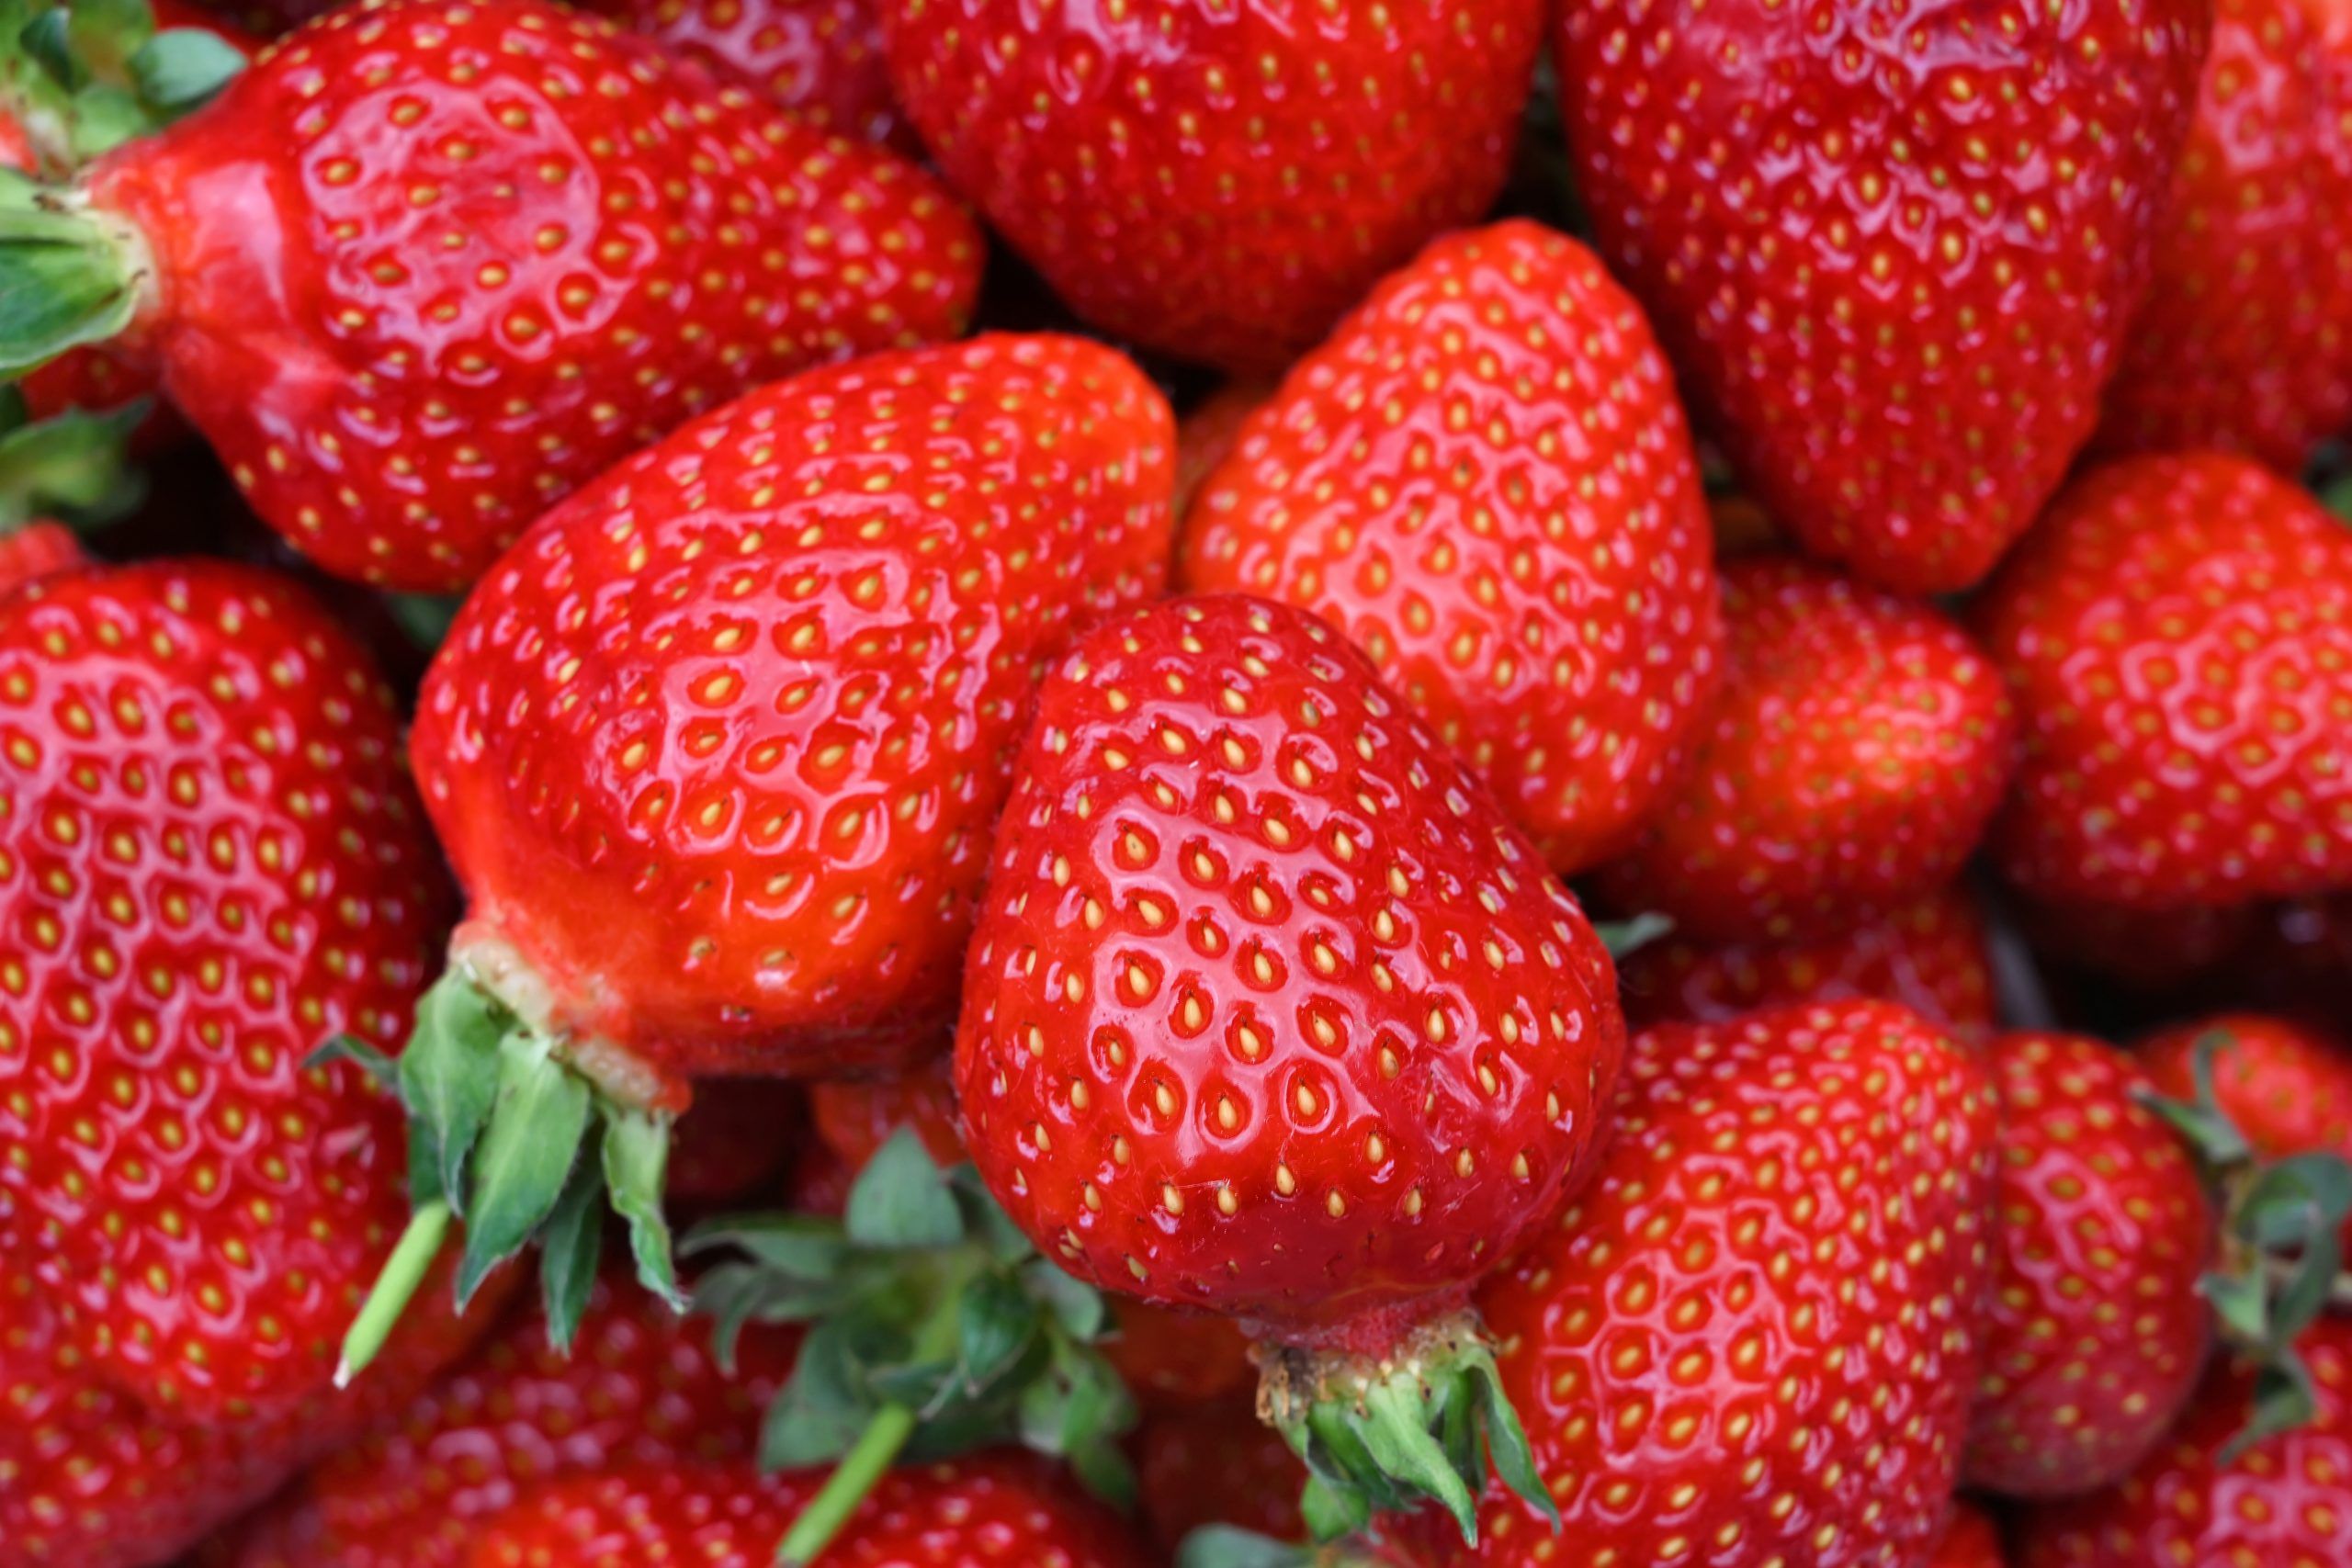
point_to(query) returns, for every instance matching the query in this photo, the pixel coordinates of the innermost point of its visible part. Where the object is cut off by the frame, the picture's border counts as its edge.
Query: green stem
(403, 1273)
(868, 1459)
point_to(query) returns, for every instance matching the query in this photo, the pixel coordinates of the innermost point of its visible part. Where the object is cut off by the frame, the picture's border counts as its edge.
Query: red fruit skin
(1216, 1464)
(2178, 633)
(1270, 1011)
(856, 1116)
(1857, 748)
(1971, 1542)
(733, 809)
(1207, 435)
(1893, 248)
(1756, 1328)
(2095, 1332)
(641, 1387)
(985, 1512)
(432, 264)
(1483, 477)
(2245, 340)
(822, 59)
(2285, 1502)
(738, 1136)
(1929, 954)
(1174, 1360)
(36, 550)
(1219, 181)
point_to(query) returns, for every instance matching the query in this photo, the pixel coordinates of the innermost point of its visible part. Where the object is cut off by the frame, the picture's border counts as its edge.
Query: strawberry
(1271, 1012)
(1173, 1360)
(1483, 479)
(2095, 1334)
(856, 1116)
(823, 59)
(1893, 251)
(2285, 1502)
(2285, 1086)
(1750, 1342)
(2178, 633)
(1929, 953)
(2245, 340)
(2149, 953)
(1857, 747)
(1216, 1464)
(732, 819)
(1971, 1542)
(1207, 434)
(432, 263)
(738, 1136)
(1217, 182)
(967, 1513)
(209, 856)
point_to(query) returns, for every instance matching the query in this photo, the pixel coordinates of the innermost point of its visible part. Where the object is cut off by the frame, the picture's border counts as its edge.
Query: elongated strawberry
(1483, 479)
(435, 263)
(1893, 251)
(209, 857)
(823, 59)
(1272, 1012)
(1859, 744)
(715, 752)
(2178, 633)
(1217, 182)
(1929, 954)
(2095, 1334)
(1207, 436)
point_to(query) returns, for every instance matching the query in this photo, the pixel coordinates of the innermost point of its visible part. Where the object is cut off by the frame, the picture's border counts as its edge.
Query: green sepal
(528, 1144)
(380, 1068)
(569, 1250)
(900, 1199)
(448, 1077)
(183, 69)
(1222, 1546)
(84, 78)
(1624, 938)
(65, 279)
(637, 1165)
(73, 467)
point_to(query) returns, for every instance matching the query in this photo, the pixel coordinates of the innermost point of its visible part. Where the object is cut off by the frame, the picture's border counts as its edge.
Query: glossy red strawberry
(2284, 1503)
(717, 750)
(1892, 247)
(1207, 434)
(1859, 744)
(1971, 1542)
(435, 263)
(1750, 1341)
(1172, 1359)
(210, 860)
(1217, 182)
(856, 1116)
(1216, 1464)
(1272, 1012)
(2095, 1331)
(2178, 633)
(1931, 954)
(2245, 340)
(1483, 479)
(823, 59)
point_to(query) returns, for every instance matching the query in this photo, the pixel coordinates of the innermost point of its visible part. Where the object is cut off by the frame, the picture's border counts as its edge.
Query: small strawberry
(1173, 1360)
(1216, 1464)
(1271, 1013)
(432, 264)
(717, 750)
(2179, 635)
(2245, 340)
(1206, 435)
(1859, 744)
(1931, 954)
(823, 59)
(2094, 1332)
(1971, 1542)
(856, 1116)
(1894, 250)
(1483, 479)
(1218, 181)
(737, 1137)
(2285, 1086)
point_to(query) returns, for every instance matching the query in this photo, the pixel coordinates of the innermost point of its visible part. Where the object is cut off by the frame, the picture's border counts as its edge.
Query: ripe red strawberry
(2245, 340)
(2094, 1332)
(1893, 254)
(1750, 1341)
(1216, 1464)
(1858, 746)
(856, 1116)
(1207, 434)
(1483, 479)
(2286, 1087)
(2284, 1503)
(1174, 1360)
(1971, 1542)
(210, 859)
(2178, 633)
(822, 59)
(738, 1138)
(638, 1387)
(974, 1513)
(432, 263)
(730, 816)
(1272, 1012)
(1929, 954)
(1217, 182)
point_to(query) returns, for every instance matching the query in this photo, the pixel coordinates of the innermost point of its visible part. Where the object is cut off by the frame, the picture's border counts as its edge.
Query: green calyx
(2281, 1263)
(68, 276)
(1624, 938)
(935, 1328)
(521, 1148)
(1223, 1546)
(1386, 1435)
(83, 79)
(73, 468)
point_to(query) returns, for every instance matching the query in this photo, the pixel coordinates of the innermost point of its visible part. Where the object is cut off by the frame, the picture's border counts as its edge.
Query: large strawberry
(717, 750)
(823, 59)
(2178, 633)
(210, 857)
(1859, 744)
(1272, 1012)
(1218, 181)
(432, 264)
(1894, 248)
(1483, 479)
(2095, 1334)
(1750, 1341)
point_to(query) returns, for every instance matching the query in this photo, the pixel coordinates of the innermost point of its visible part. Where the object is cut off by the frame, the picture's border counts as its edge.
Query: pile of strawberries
(1078, 784)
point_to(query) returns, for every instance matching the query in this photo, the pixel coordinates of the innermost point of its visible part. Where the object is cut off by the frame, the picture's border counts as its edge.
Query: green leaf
(901, 1201)
(73, 466)
(379, 1067)
(48, 40)
(183, 69)
(106, 33)
(1507, 1446)
(822, 1411)
(637, 1159)
(996, 1321)
(569, 1252)
(985, 1220)
(1222, 1546)
(449, 1075)
(2242, 1303)
(535, 1131)
(799, 1246)
(1078, 1307)
(104, 116)
(64, 280)
(1329, 1513)
(1624, 938)
(2284, 1399)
